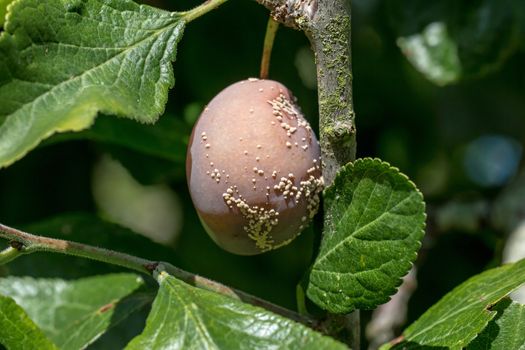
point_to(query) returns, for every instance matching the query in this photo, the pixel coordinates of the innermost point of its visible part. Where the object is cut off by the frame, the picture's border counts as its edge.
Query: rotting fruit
(253, 168)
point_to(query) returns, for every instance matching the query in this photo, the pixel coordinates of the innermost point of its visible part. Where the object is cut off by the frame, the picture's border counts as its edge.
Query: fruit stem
(202, 9)
(271, 30)
(25, 243)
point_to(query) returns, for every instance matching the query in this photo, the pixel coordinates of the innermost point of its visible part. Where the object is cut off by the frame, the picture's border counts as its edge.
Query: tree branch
(327, 25)
(26, 243)
(329, 33)
(292, 13)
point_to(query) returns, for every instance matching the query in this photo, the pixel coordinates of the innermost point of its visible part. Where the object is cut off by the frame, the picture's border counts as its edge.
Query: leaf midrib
(177, 21)
(351, 236)
(196, 320)
(447, 315)
(16, 326)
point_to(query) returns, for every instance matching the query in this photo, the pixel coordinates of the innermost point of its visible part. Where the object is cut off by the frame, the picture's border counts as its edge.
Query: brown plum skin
(253, 168)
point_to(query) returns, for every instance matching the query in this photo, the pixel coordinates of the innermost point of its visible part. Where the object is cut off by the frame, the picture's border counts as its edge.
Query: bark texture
(327, 23)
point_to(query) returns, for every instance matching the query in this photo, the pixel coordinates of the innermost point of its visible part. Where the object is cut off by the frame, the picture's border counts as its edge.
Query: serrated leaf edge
(92, 110)
(331, 191)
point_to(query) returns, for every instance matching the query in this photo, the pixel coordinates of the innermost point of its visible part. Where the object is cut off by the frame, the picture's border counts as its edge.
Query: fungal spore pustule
(253, 167)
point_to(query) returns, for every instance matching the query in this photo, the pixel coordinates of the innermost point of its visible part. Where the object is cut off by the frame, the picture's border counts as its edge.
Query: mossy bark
(327, 23)
(329, 32)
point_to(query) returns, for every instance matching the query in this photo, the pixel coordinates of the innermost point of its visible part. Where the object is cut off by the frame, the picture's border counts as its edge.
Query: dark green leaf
(3, 8)
(17, 331)
(62, 61)
(166, 139)
(462, 314)
(448, 41)
(505, 331)
(73, 314)
(146, 169)
(88, 229)
(375, 218)
(120, 335)
(185, 317)
(152, 153)
(434, 53)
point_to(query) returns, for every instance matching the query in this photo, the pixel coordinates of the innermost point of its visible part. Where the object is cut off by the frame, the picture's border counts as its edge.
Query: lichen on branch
(327, 25)
(330, 37)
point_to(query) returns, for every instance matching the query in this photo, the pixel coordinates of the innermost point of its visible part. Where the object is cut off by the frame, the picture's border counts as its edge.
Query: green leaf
(3, 10)
(17, 331)
(73, 314)
(185, 317)
(152, 153)
(434, 53)
(89, 229)
(166, 139)
(146, 169)
(505, 331)
(448, 41)
(120, 335)
(375, 219)
(62, 61)
(456, 319)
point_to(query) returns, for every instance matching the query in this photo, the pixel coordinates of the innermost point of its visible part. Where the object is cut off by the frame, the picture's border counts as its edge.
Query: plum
(253, 168)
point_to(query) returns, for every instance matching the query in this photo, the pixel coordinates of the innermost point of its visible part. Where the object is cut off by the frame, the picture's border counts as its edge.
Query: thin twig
(27, 243)
(30, 243)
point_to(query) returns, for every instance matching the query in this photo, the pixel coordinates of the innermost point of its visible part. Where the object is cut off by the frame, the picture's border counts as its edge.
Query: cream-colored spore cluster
(253, 167)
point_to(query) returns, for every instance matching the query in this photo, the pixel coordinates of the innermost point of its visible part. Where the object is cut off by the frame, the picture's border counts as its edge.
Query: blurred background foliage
(439, 91)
